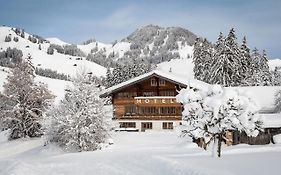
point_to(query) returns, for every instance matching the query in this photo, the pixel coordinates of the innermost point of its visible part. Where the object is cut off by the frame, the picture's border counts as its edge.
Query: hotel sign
(155, 101)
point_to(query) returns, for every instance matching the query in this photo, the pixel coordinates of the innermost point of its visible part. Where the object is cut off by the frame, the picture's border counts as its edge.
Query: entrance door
(145, 126)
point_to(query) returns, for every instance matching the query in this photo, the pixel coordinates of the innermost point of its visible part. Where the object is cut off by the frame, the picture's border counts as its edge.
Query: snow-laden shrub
(78, 123)
(277, 139)
(210, 114)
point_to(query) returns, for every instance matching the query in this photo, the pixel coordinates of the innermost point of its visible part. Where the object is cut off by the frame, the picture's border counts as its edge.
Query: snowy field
(137, 154)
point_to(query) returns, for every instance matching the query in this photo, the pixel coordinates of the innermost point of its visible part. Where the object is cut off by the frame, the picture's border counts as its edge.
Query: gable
(146, 78)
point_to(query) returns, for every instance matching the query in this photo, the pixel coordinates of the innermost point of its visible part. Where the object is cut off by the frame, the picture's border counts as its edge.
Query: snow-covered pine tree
(79, 122)
(255, 60)
(208, 115)
(266, 76)
(219, 67)
(277, 101)
(118, 75)
(50, 50)
(25, 102)
(130, 70)
(140, 67)
(246, 64)
(202, 58)
(232, 53)
(207, 58)
(109, 80)
(198, 60)
(276, 80)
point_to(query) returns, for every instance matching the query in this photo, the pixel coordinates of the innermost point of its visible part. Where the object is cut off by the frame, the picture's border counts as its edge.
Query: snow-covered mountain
(61, 63)
(151, 43)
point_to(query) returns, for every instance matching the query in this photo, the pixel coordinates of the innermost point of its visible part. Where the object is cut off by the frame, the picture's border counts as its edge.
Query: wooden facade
(146, 103)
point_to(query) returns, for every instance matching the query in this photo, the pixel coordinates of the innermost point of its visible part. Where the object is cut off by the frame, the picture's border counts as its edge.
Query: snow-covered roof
(271, 120)
(263, 95)
(161, 74)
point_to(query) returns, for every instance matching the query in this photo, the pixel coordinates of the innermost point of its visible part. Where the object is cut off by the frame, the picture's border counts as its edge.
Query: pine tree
(22, 33)
(8, 38)
(226, 68)
(266, 76)
(246, 64)
(198, 60)
(277, 101)
(118, 75)
(276, 80)
(218, 70)
(25, 102)
(139, 67)
(109, 79)
(125, 72)
(232, 56)
(255, 59)
(79, 123)
(207, 56)
(50, 50)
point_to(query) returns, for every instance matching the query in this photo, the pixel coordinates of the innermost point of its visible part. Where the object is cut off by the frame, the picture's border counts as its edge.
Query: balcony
(149, 117)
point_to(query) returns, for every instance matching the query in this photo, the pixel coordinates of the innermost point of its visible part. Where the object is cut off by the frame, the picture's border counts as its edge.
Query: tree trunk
(219, 144)
(215, 144)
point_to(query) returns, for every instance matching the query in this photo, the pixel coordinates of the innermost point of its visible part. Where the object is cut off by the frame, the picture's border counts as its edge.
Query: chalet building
(148, 102)
(271, 121)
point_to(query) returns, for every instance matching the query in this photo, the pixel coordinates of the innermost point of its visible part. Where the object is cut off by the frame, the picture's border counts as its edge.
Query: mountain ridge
(152, 44)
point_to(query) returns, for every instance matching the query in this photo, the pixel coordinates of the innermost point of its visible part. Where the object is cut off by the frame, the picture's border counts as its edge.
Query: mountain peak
(150, 32)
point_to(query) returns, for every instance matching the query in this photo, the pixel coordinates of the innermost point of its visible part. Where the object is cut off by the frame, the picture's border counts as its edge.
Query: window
(122, 95)
(148, 110)
(162, 82)
(146, 125)
(127, 124)
(167, 93)
(167, 125)
(148, 94)
(130, 110)
(167, 110)
(153, 82)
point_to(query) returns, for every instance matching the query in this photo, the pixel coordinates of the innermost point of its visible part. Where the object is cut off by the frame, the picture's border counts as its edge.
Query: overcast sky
(107, 20)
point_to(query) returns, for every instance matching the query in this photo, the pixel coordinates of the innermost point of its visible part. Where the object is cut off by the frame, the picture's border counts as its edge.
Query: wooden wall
(140, 89)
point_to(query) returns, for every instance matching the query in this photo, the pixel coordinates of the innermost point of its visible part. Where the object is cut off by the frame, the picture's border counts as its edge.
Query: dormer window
(162, 82)
(153, 82)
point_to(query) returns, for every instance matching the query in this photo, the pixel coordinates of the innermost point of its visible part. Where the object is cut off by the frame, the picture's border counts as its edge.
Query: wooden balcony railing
(144, 117)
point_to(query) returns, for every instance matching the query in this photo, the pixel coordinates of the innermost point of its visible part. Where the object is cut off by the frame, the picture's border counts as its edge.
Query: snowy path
(137, 154)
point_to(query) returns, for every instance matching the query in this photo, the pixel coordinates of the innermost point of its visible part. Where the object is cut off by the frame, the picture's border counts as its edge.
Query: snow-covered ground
(162, 153)
(180, 67)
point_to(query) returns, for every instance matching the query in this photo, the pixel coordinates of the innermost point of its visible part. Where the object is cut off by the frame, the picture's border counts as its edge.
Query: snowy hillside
(59, 62)
(56, 41)
(119, 48)
(181, 67)
(57, 87)
(274, 63)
